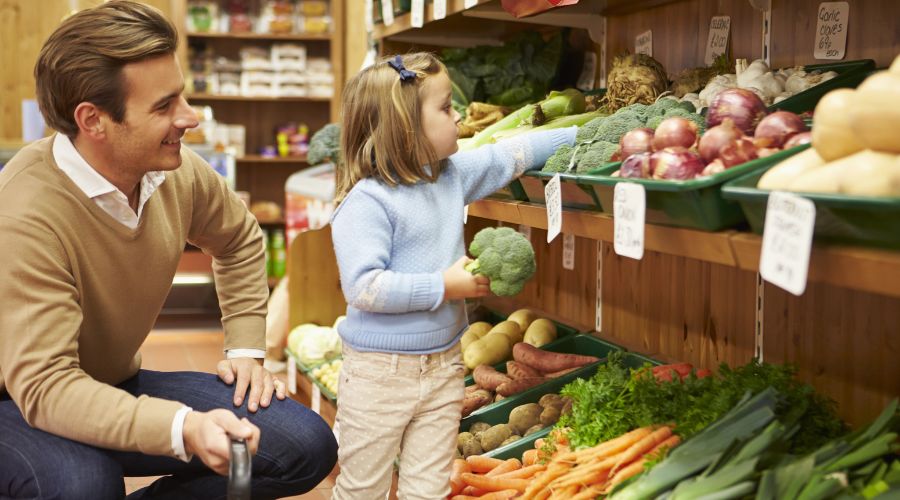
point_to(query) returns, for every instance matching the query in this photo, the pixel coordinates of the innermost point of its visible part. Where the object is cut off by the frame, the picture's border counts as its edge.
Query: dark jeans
(297, 450)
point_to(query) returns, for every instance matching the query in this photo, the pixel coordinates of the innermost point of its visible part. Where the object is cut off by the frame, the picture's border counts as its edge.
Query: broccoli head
(559, 162)
(596, 156)
(637, 109)
(654, 121)
(505, 256)
(586, 132)
(660, 107)
(618, 125)
(324, 145)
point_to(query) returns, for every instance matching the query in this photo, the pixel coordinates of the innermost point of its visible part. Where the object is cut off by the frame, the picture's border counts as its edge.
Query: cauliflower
(324, 145)
(505, 256)
(596, 156)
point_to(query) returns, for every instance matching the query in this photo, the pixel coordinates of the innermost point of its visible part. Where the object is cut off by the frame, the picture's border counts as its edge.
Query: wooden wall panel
(845, 343)
(679, 309)
(314, 284)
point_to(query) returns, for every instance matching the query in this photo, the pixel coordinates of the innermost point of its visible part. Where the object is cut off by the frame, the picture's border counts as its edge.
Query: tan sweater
(79, 292)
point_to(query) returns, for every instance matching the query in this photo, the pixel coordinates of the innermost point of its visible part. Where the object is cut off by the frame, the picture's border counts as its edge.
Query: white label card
(387, 12)
(568, 260)
(465, 214)
(553, 201)
(316, 399)
(525, 230)
(440, 9)
(717, 43)
(643, 43)
(629, 208)
(470, 3)
(831, 30)
(787, 241)
(370, 23)
(588, 70)
(418, 13)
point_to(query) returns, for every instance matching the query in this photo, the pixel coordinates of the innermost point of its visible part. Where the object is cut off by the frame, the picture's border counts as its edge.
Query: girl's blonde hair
(381, 127)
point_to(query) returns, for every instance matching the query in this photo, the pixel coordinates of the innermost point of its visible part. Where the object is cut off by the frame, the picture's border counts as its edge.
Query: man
(93, 222)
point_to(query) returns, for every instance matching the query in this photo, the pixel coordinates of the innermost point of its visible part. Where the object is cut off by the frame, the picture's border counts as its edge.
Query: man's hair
(83, 58)
(381, 126)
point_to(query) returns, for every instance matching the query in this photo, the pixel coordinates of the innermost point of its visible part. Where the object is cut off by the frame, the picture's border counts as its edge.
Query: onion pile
(739, 131)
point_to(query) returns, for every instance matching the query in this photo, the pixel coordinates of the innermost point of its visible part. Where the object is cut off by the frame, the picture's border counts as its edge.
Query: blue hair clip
(405, 74)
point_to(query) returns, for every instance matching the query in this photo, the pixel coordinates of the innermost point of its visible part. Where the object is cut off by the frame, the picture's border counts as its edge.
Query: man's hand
(244, 371)
(208, 436)
(461, 284)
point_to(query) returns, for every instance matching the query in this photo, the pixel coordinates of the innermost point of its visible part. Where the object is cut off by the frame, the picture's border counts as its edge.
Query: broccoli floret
(660, 107)
(687, 106)
(505, 256)
(596, 156)
(637, 109)
(616, 126)
(559, 161)
(654, 121)
(586, 132)
(324, 145)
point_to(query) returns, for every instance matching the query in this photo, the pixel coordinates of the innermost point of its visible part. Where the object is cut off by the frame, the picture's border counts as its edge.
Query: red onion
(675, 131)
(742, 151)
(774, 130)
(741, 105)
(636, 166)
(716, 138)
(635, 141)
(714, 167)
(675, 163)
(798, 139)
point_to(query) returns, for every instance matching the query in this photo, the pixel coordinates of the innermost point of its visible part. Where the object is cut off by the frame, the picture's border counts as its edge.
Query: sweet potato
(519, 370)
(488, 378)
(561, 372)
(475, 401)
(517, 386)
(547, 361)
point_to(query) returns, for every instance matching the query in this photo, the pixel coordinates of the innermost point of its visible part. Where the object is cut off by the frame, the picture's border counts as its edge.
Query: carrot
(472, 491)
(519, 385)
(481, 463)
(456, 482)
(493, 483)
(507, 466)
(613, 446)
(530, 457)
(637, 466)
(538, 486)
(547, 361)
(641, 447)
(494, 495)
(521, 370)
(488, 378)
(564, 493)
(538, 443)
(588, 474)
(587, 494)
(524, 472)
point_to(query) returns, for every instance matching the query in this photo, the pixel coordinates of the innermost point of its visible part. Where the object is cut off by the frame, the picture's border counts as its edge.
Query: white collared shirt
(114, 202)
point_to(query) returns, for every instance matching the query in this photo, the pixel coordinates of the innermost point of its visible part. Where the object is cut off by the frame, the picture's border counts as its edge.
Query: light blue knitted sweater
(394, 243)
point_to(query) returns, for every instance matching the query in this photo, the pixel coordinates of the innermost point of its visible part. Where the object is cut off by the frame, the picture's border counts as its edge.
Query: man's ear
(89, 119)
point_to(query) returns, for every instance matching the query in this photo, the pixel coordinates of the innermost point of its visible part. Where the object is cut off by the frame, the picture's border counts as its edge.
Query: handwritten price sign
(787, 241)
(831, 30)
(629, 208)
(717, 43)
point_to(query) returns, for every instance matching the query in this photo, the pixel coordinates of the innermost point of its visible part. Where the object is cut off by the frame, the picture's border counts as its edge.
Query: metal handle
(239, 471)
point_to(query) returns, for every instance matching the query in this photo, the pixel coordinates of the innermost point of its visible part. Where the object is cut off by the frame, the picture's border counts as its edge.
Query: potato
(462, 439)
(490, 350)
(479, 427)
(511, 439)
(511, 329)
(474, 332)
(550, 415)
(492, 437)
(472, 447)
(780, 176)
(523, 317)
(541, 332)
(554, 400)
(533, 429)
(525, 416)
(499, 397)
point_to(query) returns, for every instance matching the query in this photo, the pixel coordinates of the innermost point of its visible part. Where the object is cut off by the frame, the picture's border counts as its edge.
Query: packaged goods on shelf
(277, 17)
(203, 16)
(314, 24)
(290, 85)
(256, 58)
(308, 199)
(258, 84)
(288, 57)
(312, 8)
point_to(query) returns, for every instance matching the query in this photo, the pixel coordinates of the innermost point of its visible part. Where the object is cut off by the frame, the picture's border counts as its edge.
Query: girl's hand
(461, 284)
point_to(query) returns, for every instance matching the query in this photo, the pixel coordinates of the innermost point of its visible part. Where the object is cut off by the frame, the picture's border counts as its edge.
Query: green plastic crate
(840, 219)
(306, 371)
(573, 194)
(581, 344)
(850, 74)
(696, 204)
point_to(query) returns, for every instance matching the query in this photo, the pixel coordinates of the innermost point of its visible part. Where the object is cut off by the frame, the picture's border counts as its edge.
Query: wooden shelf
(403, 22)
(298, 37)
(241, 98)
(266, 159)
(868, 270)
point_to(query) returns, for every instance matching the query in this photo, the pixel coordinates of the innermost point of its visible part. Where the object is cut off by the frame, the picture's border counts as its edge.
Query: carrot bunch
(587, 473)
(488, 478)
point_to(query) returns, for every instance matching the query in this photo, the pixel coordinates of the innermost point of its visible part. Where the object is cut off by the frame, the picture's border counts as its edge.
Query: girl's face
(439, 119)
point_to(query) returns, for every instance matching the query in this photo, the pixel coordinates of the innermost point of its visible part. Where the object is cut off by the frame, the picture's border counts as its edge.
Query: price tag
(553, 201)
(418, 13)
(588, 71)
(831, 30)
(525, 230)
(387, 12)
(291, 376)
(369, 15)
(629, 207)
(465, 214)
(470, 3)
(643, 43)
(440, 9)
(316, 399)
(598, 312)
(787, 241)
(717, 43)
(569, 252)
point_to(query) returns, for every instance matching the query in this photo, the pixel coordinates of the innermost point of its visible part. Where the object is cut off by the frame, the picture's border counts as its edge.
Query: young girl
(398, 237)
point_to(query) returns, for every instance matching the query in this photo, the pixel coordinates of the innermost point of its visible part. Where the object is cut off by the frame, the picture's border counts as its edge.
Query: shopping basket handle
(239, 471)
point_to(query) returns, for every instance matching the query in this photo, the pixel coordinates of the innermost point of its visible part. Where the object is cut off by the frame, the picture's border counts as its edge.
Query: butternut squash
(782, 175)
(874, 114)
(832, 135)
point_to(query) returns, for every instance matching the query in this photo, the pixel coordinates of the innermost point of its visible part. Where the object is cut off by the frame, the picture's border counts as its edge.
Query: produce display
(311, 344)
(328, 374)
(771, 86)
(505, 256)
(634, 78)
(523, 420)
(854, 143)
(479, 116)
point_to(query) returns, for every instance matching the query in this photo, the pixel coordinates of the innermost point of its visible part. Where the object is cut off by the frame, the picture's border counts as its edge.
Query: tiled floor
(198, 348)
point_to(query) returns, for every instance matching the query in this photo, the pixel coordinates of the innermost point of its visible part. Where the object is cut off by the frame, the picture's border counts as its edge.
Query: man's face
(156, 116)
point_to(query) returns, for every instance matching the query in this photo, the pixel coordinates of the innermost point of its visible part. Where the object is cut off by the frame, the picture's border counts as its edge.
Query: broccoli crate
(696, 204)
(840, 219)
(573, 195)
